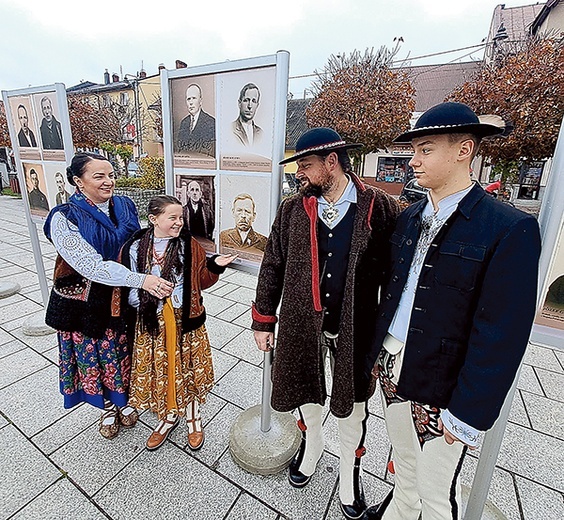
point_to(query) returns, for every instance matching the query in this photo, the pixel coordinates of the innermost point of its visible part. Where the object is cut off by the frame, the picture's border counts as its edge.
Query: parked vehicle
(412, 192)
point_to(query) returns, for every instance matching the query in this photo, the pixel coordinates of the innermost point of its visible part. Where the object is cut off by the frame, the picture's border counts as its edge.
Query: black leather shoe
(356, 510)
(377, 512)
(296, 478)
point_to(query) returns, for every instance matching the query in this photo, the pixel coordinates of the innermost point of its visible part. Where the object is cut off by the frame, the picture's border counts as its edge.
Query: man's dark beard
(309, 190)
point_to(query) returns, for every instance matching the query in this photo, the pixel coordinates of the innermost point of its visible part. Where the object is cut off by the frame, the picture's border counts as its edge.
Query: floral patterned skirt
(151, 387)
(91, 370)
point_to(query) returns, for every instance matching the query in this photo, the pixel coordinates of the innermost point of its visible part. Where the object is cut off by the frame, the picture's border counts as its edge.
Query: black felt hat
(450, 118)
(319, 140)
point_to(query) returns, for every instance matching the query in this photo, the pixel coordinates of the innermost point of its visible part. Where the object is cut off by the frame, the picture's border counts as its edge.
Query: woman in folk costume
(172, 364)
(84, 307)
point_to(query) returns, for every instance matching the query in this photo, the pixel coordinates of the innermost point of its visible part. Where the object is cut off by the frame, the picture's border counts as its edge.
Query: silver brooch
(330, 213)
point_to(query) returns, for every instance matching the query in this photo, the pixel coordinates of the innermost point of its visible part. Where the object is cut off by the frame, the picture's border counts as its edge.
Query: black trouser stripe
(452, 498)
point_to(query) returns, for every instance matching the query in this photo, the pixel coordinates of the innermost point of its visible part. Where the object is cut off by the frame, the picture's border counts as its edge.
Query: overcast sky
(48, 41)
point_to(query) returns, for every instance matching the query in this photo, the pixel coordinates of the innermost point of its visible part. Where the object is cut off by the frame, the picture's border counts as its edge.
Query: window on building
(394, 169)
(529, 180)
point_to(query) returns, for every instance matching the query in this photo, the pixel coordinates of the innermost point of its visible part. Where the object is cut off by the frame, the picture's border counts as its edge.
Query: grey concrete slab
(560, 356)
(38, 343)
(25, 279)
(217, 436)
(11, 300)
(539, 502)
(543, 357)
(26, 471)
(502, 488)
(20, 364)
(222, 363)
(547, 415)
(7, 272)
(518, 414)
(167, 484)
(221, 332)
(248, 507)
(14, 324)
(91, 461)
(521, 451)
(52, 355)
(22, 308)
(242, 295)
(5, 337)
(233, 312)
(241, 385)
(245, 320)
(309, 502)
(215, 304)
(65, 427)
(34, 295)
(552, 383)
(528, 380)
(241, 278)
(375, 404)
(21, 404)
(224, 289)
(61, 500)
(12, 346)
(3, 421)
(244, 347)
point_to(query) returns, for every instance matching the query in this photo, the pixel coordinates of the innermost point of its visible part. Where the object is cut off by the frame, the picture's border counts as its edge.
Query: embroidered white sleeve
(466, 433)
(84, 259)
(133, 298)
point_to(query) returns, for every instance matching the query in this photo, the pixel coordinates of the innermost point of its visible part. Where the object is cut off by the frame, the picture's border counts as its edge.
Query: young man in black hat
(325, 260)
(455, 316)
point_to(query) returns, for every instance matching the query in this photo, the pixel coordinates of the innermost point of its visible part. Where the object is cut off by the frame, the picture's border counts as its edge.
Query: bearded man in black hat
(455, 316)
(325, 260)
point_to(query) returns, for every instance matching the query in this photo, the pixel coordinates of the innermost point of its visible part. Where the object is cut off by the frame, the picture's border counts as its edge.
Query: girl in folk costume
(172, 365)
(84, 307)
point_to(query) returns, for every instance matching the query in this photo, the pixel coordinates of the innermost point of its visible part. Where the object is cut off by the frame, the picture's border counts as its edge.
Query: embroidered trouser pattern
(426, 467)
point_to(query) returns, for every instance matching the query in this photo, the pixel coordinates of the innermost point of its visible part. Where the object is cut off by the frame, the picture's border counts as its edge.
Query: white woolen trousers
(426, 477)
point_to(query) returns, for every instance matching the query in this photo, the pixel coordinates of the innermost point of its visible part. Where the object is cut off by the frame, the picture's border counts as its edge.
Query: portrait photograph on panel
(197, 194)
(50, 128)
(244, 216)
(36, 189)
(193, 122)
(551, 313)
(246, 115)
(23, 117)
(58, 188)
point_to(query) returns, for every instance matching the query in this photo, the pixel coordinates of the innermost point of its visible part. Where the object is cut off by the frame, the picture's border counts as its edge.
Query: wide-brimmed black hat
(319, 140)
(449, 118)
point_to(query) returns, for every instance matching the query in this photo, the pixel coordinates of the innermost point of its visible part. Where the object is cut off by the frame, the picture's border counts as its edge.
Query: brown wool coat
(289, 273)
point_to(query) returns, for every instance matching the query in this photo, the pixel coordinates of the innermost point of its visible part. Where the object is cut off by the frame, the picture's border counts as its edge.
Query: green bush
(129, 182)
(152, 173)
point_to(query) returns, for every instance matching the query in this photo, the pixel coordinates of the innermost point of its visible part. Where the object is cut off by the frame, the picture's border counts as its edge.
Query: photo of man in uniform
(51, 133)
(37, 199)
(26, 138)
(197, 129)
(244, 128)
(62, 195)
(198, 214)
(243, 236)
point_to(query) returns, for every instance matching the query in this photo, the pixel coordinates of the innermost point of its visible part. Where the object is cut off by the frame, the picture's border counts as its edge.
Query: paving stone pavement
(55, 465)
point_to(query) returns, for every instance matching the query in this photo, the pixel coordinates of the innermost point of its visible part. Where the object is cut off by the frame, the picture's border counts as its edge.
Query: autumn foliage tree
(363, 98)
(91, 126)
(4, 134)
(525, 87)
